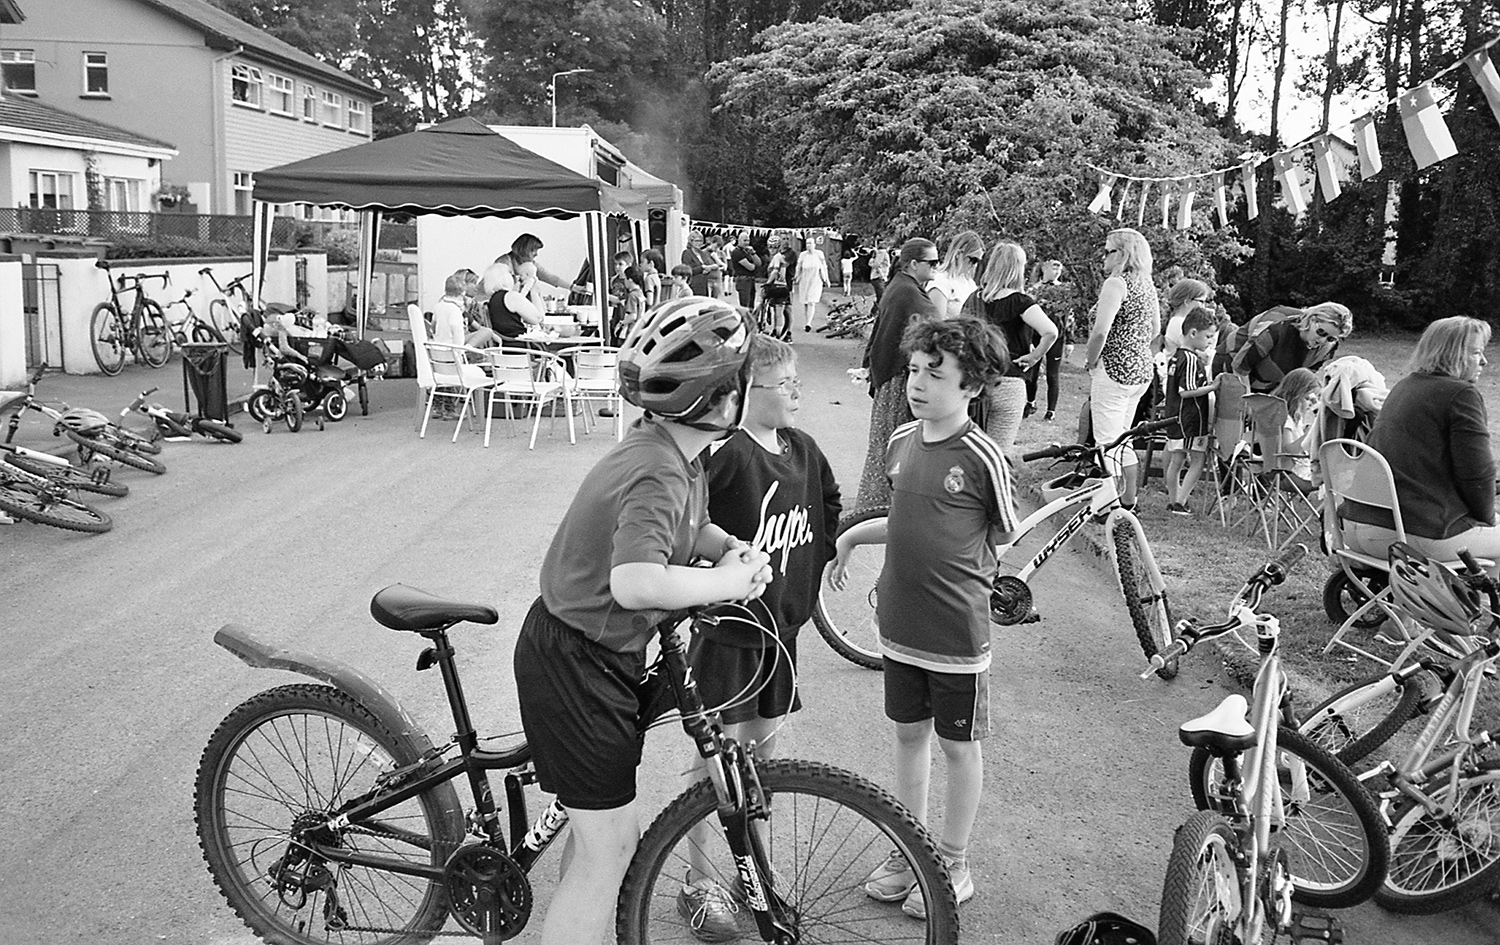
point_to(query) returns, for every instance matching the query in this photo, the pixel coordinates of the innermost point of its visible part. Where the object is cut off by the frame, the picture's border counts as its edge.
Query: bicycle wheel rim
(107, 339)
(846, 619)
(71, 476)
(828, 830)
(1200, 895)
(25, 501)
(155, 335)
(1362, 717)
(300, 759)
(1144, 592)
(1438, 865)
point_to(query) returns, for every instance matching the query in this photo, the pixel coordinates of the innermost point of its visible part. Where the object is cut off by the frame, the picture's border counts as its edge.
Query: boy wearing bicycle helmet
(951, 503)
(618, 565)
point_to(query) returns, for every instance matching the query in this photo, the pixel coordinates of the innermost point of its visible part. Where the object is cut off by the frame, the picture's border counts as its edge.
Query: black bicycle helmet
(1431, 594)
(680, 354)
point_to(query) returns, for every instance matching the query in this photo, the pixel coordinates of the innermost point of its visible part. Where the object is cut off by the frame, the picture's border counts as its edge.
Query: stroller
(321, 384)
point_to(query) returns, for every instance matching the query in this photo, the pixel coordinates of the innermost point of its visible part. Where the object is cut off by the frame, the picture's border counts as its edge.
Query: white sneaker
(963, 886)
(892, 880)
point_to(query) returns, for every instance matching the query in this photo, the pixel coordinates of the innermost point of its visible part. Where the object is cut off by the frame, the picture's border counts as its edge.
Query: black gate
(41, 302)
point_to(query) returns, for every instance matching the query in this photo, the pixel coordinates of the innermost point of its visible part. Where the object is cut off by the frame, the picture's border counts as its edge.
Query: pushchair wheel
(334, 406)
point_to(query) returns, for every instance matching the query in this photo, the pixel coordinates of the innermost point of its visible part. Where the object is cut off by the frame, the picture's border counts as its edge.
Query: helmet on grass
(682, 353)
(1431, 594)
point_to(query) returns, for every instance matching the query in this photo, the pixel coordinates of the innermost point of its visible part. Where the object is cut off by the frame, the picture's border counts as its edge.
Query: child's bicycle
(1280, 820)
(326, 813)
(846, 619)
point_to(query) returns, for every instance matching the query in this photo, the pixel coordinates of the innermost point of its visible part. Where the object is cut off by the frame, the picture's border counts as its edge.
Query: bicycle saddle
(405, 608)
(1223, 731)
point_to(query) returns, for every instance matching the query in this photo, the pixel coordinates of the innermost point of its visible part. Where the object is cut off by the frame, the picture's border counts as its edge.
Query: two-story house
(232, 98)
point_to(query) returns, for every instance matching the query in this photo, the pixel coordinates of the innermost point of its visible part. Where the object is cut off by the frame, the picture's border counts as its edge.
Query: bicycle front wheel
(155, 335)
(226, 324)
(846, 619)
(107, 337)
(1360, 718)
(828, 830)
(217, 430)
(33, 504)
(1200, 898)
(1443, 862)
(1141, 583)
(290, 757)
(70, 476)
(98, 445)
(1328, 824)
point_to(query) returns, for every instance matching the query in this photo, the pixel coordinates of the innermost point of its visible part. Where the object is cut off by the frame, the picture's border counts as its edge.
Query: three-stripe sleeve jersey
(950, 500)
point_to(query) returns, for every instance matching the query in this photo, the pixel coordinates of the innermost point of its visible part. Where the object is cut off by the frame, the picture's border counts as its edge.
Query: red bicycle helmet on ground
(1432, 594)
(680, 354)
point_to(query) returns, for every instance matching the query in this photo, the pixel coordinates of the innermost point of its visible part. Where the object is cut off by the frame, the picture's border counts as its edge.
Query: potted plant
(172, 196)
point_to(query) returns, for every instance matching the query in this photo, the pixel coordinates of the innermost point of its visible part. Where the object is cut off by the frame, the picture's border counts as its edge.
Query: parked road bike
(1441, 792)
(171, 423)
(117, 330)
(38, 496)
(325, 813)
(846, 619)
(1280, 820)
(95, 434)
(225, 312)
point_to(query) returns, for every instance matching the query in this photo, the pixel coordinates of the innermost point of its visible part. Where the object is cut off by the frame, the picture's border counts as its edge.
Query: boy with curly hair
(951, 503)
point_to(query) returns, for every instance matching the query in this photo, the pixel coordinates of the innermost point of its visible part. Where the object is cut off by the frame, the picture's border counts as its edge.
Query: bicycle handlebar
(1058, 451)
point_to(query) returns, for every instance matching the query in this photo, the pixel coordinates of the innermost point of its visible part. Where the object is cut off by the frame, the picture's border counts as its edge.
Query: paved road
(110, 684)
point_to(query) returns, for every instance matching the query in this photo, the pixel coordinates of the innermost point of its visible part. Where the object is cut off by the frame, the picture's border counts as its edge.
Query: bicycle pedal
(1315, 926)
(1033, 617)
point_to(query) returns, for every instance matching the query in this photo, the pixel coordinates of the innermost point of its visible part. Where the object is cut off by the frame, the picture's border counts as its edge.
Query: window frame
(271, 89)
(89, 67)
(243, 182)
(336, 101)
(310, 103)
(353, 107)
(13, 57)
(254, 81)
(133, 189)
(34, 176)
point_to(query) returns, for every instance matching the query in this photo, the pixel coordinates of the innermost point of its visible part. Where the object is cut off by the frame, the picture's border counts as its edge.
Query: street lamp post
(553, 86)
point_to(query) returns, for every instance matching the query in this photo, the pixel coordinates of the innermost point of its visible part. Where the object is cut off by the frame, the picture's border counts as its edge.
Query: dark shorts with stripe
(580, 705)
(736, 672)
(957, 703)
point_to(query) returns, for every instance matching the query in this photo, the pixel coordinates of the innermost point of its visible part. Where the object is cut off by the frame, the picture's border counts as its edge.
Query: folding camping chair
(1289, 510)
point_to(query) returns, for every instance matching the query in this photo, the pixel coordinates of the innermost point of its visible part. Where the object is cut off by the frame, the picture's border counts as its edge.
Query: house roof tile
(230, 32)
(20, 112)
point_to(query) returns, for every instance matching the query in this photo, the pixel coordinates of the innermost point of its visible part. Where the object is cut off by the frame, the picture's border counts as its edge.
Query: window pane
(18, 69)
(96, 73)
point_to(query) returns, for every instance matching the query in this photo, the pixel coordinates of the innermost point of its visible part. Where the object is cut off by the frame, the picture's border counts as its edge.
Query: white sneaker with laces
(963, 886)
(892, 880)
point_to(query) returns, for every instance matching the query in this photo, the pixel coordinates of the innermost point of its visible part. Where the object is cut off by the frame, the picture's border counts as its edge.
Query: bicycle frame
(1096, 498)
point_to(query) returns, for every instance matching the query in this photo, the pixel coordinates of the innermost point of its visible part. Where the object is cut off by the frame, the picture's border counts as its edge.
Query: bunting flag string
(1422, 122)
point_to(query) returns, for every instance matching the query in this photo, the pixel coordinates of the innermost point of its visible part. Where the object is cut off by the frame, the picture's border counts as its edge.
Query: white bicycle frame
(1099, 494)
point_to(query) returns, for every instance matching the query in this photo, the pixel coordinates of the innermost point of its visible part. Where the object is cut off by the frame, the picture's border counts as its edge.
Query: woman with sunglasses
(1309, 341)
(955, 281)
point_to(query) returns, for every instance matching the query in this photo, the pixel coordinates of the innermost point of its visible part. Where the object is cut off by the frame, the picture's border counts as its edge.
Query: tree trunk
(1286, 11)
(1232, 68)
(1331, 61)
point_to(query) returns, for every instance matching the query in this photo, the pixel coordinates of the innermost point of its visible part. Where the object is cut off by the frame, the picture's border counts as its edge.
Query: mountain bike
(47, 501)
(1279, 820)
(141, 329)
(325, 812)
(95, 480)
(225, 312)
(1442, 792)
(846, 619)
(171, 423)
(95, 434)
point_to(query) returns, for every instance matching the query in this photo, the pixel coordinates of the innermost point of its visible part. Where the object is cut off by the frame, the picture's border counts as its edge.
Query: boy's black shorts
(724, 672)
(579, 706)
(957, 703)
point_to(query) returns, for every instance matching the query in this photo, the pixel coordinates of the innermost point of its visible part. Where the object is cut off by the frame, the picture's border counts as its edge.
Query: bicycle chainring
(1010, 601)
(488, 893)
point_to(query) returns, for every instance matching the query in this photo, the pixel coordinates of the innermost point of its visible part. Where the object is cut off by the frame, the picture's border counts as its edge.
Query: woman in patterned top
(1126, 319)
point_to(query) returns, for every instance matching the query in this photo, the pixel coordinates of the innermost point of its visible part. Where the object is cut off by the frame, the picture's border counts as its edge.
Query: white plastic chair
(596, 380)
(455, 377)
(418, 327)
(527, 378)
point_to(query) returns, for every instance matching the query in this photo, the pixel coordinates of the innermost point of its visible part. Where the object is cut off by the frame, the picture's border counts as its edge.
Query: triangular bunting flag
(1489, 80)
(1367, 146)
(1140, 212)
(1291, 182)
(1426, 133)
(1328, 173)
(1247, 177)
(1100, 203)
(1185, 206)
(1166, 205)
(1221, 200)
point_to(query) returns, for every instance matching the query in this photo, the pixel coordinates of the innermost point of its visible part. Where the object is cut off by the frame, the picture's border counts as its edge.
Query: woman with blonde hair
(1127, 318)
(1028, 334)
(954, 282)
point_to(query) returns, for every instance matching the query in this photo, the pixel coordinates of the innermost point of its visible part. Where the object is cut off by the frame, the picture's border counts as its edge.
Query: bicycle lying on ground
(30, 491)
(849, 318)
(95, 434)
(171, 423)
(1441, 793)
(846, 619)
(324, 812)
(226, 312)
(141, 329)
(1279, 818)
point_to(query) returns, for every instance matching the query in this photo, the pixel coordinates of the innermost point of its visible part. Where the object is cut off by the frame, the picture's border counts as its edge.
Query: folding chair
(455, 377)
(596, 380)
(526, 377)
(1290, 511)
(1354, 472)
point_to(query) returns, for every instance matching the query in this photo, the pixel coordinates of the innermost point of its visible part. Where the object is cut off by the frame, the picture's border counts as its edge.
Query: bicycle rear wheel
(226, 324)
(98, 445)
(1441, 863)
(1361, 717)
(217, 430)
(1141, 583)
(155, 335)
(846, 619)
(1200, 898)
(70, 476)
(1331, 831)
(287, 758)
(828, 830)
(107, 338)
(35, 504)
